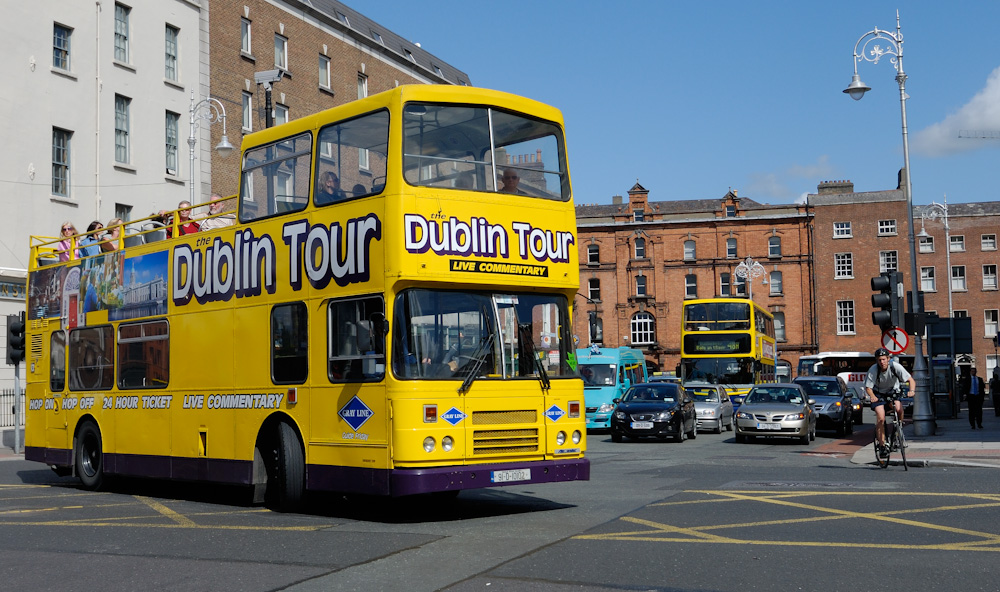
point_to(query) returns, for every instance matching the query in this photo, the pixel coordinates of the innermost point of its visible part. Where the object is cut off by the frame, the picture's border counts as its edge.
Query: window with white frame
(958, 283)
(990, 318)
(122, 107)
(927, 244)
(324, 71)
(991, 364)
(640, 248)
(60, 46)
(957, 244)
(170, 52)
(730, 211)
(377, 37)
(60, 161)
(171, 141)
(731, 248)
(725, 285)
(740, 286)
(690, 286)
(988, 242)
(989, 277)
(845, 317)
(281, 51)
(640, 286)
(927, 282)
(247, 112)
(888, 261)
(689, 250)
(886, 227)
(843, 265)
(774, 247)
(362, 93)
(593, 254)
(643, 329)
(594, 288)
(280, 114)
(122, 13)
(245, 45)
(776, 285)
(779, 326)
(842, 230)
(960, 314)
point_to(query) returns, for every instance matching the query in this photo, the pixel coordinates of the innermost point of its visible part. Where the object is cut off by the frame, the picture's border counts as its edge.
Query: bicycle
(894, 438)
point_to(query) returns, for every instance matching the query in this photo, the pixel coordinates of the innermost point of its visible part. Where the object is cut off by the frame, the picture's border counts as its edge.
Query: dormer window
(730, 211)
(638, 216)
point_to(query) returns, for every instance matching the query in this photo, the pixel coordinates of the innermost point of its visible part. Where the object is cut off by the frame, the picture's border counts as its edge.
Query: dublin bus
(727, 341)
(385, 314)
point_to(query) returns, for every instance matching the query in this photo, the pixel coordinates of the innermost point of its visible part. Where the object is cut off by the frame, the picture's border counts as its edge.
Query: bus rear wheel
(90, 456)
(285, 470)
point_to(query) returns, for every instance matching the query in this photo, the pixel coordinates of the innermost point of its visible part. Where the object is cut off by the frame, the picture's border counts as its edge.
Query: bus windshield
(717, 316)
(719, 370)
(597, 374)
(483, 149)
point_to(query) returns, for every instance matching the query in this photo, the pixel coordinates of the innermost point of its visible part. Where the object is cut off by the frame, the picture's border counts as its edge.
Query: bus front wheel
(90, 456)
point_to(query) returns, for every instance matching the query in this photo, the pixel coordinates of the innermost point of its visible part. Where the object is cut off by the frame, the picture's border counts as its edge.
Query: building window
(245, 36)
(173, 120)
(988, 242)
(60, 161)
(60, 46)
(776, 285)
(640, 248)
(774, 247)
(843, 265)
(643, 329)
(842, 230)
(638, 216)
(845, 317)
(689, 250)
(324, 71)
(725, 285)
(731, 248)
(170, 53)
(281, 51)
(957, 244)
(958, 278)
(362, 93)
(593, 254)
(596, 328)
(989, 277)
(121, 33)
(730, 211)
(690, 286)
(740, 286)
(123, 211)
(779, 326)
(886, 227)
(594, 288)
(960, 314)
(377, 37)
(927, 282)
(640, 286)
(280, 114)
(990, 318)
(888, 261)
(247, 112)
(122, 107)
(927, 244)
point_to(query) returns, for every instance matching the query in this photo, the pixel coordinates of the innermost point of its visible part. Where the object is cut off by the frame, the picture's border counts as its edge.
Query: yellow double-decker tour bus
(387, 313)
(727, 341)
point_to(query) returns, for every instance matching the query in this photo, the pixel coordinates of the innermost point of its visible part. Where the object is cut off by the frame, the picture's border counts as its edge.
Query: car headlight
(665, 415)
(606, 408)
(795, 416)
(708, 412)
(744, 415)
(619, 415)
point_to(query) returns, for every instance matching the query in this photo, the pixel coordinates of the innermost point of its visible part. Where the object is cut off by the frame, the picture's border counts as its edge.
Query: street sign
(895, 340)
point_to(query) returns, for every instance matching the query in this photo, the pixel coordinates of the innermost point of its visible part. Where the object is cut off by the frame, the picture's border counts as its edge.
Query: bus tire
(90, 456)
(289, 470)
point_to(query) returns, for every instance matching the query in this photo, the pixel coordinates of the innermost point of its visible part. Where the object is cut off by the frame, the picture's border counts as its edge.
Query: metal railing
(7, 408)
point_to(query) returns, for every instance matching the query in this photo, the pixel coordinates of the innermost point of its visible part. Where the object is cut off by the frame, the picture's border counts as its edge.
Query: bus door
(56, 421)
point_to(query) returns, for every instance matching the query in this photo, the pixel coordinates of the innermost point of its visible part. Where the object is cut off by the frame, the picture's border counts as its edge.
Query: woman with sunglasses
(67, 230)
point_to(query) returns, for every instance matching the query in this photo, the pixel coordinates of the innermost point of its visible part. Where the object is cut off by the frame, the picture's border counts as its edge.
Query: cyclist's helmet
(881, 352)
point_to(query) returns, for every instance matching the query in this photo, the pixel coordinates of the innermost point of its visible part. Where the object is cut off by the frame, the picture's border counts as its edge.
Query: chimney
(616, 200)
(832, 187)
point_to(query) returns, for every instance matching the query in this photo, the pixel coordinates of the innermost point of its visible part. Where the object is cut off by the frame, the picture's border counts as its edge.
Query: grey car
(712, 407)
(781, 410)
(833, 402)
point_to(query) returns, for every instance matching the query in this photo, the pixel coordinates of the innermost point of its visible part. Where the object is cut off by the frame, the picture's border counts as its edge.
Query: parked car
(834, 403)
(712, 407)
(664, 378)
(776, 409)
(660, 409)
(858, 404)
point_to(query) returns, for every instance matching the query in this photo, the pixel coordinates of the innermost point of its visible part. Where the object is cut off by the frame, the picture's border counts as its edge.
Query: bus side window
(356, 349)
(289, 343)
(57, 362)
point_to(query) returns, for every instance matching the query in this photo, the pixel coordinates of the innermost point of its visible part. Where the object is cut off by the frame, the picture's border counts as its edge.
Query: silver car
(781, 410)
(712, 407)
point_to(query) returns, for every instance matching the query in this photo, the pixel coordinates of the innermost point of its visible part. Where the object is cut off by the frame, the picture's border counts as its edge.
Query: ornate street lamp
(749, 270)
(210, 111)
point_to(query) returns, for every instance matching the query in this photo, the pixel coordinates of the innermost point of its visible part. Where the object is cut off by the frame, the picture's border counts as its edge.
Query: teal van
(607, 373)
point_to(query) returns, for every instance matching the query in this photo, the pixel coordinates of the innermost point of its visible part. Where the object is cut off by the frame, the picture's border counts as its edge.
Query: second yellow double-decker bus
(727, 341)
(387, 314)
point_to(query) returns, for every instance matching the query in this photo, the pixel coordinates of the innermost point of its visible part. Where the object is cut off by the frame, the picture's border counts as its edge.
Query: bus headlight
(576, 436)
(447, 443)
(429, 444)
(561, 438)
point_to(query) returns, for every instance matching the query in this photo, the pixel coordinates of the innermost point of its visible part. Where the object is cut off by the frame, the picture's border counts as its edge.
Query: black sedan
(657, 410)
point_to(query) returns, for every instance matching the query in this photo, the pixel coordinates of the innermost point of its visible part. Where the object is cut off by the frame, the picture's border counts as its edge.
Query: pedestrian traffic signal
(15, 338)
(888, 300)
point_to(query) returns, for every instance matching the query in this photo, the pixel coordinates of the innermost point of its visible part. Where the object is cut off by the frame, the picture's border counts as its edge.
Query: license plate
(510, 475)
(642, 425)
(769, 426)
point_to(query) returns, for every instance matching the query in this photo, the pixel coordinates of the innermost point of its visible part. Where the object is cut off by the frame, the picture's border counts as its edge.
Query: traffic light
(888, 300)
(15, 338)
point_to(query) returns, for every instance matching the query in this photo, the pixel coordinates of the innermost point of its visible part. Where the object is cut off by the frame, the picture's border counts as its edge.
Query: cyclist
(885, 377)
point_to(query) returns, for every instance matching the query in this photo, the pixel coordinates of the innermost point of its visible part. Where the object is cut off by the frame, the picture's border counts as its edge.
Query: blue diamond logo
(453, 416)
(554, 413)
(355, 413)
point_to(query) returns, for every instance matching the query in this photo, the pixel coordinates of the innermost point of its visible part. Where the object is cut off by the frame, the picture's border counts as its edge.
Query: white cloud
(778, 185)
(820, 169)
(980, 114)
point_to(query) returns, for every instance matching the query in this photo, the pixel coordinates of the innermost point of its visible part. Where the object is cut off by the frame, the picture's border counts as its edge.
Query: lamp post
(210, 111)
(750, 270)
(923, 419)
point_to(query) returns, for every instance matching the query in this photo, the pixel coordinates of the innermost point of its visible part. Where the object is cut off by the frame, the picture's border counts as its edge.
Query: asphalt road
(706, 514)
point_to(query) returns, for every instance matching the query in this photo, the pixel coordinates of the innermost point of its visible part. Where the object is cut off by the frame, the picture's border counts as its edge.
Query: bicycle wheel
(881, 454)
(901, 443)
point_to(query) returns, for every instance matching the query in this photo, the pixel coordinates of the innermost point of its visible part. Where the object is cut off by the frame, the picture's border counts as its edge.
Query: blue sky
(694, 98)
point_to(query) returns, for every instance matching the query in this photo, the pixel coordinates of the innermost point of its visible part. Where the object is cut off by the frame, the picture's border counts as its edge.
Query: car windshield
(775, 395)
(705, 395)
(666, 393)
(822, 388)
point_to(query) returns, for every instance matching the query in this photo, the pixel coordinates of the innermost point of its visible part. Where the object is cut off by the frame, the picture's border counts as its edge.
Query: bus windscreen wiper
(543, 377)
(478, 359)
